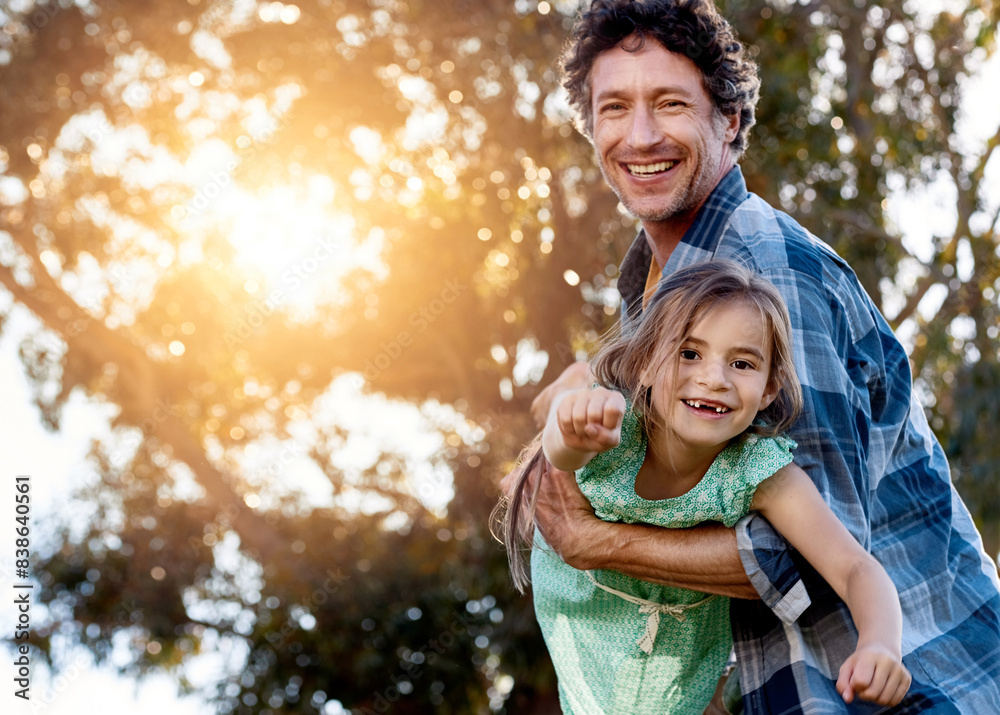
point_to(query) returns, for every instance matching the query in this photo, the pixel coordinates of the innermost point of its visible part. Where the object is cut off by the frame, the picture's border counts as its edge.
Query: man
(665, 94)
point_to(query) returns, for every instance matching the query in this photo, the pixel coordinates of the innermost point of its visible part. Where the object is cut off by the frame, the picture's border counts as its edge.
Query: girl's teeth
(697, 404)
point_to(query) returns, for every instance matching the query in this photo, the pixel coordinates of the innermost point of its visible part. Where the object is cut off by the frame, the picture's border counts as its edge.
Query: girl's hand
(574, 377)
(873, 673)
(589, 420)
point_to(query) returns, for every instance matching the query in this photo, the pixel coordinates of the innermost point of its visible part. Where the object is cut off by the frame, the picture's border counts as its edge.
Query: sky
(56, 463)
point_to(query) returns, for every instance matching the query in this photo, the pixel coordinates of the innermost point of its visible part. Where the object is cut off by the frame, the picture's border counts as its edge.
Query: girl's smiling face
(722, 380)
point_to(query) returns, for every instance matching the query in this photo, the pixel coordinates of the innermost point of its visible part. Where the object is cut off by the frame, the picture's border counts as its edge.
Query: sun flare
(292, 240)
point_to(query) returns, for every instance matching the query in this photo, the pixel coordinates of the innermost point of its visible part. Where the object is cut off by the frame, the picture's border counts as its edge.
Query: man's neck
(664, 236)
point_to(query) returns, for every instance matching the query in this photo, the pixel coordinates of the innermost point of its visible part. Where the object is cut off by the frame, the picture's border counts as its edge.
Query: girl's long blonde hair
(623, 363)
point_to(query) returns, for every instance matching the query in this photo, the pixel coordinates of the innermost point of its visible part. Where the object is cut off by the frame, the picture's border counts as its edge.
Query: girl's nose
(713, 375)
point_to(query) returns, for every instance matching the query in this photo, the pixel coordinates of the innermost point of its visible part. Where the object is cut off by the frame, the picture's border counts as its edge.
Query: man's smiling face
(661, 142)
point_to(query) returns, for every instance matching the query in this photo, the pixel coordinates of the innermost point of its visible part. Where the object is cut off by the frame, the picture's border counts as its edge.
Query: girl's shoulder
(752, 458)
(741, 467)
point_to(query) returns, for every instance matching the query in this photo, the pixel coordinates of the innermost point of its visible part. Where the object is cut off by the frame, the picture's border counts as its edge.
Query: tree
(441, 239)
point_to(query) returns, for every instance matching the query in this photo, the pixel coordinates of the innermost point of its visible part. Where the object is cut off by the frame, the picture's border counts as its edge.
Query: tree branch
(991, 146)
(933, 276)
(140, 384)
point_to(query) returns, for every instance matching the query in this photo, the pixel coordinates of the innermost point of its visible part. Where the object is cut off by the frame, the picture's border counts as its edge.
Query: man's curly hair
(693, 28)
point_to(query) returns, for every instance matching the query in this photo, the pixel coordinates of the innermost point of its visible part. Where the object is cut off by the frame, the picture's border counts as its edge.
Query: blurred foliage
(440, 130)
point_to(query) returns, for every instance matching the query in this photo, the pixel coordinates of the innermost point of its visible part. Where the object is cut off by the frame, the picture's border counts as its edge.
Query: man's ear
(732, 125)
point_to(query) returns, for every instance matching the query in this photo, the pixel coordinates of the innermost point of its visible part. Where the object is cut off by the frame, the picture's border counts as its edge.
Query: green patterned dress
(622, 646)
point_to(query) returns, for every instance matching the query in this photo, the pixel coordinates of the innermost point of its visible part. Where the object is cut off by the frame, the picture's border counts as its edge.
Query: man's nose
(645, 132)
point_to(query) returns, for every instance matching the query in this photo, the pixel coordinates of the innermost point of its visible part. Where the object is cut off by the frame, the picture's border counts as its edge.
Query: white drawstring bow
(652, 610)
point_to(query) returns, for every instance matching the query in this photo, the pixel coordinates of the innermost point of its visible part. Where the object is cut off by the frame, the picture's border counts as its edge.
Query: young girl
(685, 427)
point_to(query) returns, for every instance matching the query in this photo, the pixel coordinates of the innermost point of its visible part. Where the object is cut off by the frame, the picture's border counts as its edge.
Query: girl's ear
(656, 363)
(770, 392)
(648, 375)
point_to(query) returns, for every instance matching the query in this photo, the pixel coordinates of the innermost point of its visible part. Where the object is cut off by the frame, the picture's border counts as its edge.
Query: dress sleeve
(741, 469)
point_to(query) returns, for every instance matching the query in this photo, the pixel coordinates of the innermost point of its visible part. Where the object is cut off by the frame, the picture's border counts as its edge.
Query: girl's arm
(793, 505)
(580, 424)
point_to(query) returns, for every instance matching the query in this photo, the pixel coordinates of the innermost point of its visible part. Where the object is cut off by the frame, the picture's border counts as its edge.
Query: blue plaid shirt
(865, 442)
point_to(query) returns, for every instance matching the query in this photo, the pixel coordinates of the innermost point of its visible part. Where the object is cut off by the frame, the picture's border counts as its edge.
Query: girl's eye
(743, 365)
(689, 355)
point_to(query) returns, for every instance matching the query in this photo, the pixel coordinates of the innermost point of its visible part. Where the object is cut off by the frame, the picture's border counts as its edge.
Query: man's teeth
(650, 168)
(698, 404)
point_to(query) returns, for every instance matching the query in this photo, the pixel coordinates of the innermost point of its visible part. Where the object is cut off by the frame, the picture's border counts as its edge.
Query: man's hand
(574, 377)
(873, 673)
(566, 518)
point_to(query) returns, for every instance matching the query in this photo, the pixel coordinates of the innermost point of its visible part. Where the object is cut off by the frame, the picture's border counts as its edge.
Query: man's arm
(702, 558)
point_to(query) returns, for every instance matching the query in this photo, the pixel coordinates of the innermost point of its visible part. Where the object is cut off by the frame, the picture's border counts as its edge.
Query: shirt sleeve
(841, 357)
(770, 568)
